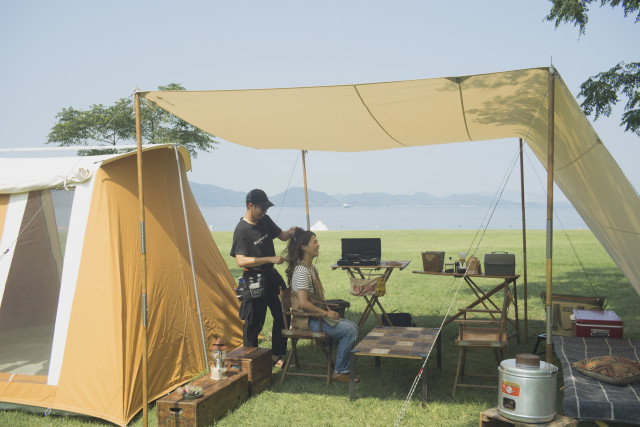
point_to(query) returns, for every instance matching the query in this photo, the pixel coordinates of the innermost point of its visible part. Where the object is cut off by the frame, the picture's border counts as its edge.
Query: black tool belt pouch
(256, 288)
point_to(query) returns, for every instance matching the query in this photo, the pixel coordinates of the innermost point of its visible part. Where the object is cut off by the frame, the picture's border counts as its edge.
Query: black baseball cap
(259, 197)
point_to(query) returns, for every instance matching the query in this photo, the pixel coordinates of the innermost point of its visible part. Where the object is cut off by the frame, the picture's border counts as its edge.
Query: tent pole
(145, 391)
(524, 243)
(306, 195)
(193, 264)
(550, 166)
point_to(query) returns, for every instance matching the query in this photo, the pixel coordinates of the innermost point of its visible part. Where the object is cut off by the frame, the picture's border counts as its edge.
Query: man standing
(255, 254)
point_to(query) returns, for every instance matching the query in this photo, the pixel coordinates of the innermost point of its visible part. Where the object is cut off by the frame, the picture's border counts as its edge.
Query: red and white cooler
(597, 324)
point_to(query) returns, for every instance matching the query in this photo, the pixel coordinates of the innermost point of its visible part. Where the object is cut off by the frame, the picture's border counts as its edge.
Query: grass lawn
(580, 266)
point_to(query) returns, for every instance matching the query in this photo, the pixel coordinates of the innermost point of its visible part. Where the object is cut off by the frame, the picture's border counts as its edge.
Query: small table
(373, 299)
(482, 297)
(396, 341)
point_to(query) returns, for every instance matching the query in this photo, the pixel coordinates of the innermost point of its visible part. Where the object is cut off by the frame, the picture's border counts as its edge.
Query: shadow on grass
(590, 281)
(395, 377)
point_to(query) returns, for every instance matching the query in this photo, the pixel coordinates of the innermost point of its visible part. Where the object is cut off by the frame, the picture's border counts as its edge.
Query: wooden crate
(256, 362)
(219, 397)
(492, 418)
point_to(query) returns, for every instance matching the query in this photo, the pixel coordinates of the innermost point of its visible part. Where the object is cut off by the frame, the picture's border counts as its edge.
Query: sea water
(405, 218)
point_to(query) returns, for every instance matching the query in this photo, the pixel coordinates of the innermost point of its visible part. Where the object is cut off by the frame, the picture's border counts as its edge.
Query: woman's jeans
(345, 332)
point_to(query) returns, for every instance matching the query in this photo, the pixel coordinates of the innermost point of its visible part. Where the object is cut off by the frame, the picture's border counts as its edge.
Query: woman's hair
(294, 253)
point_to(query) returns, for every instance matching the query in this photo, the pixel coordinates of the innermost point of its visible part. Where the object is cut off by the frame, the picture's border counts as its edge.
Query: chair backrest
(486, 329)
(285, 302)
(506, 303)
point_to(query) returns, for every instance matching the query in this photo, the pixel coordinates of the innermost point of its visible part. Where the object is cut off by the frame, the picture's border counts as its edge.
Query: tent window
(30, 299)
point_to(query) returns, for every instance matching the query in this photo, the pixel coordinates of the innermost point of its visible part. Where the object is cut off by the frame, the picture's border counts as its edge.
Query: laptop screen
(361, 248)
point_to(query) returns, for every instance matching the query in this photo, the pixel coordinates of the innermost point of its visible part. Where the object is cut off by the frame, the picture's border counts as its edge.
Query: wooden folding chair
(322, 339)
(487, 330)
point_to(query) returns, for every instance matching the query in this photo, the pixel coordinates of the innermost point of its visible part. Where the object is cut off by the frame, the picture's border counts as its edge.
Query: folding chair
(322, 339)
(487, 330)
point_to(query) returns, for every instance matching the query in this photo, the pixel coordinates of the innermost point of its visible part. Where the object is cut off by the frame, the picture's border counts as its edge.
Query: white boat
(346, 205)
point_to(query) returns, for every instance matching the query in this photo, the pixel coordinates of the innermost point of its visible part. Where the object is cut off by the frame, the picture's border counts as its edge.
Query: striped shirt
(301, 278)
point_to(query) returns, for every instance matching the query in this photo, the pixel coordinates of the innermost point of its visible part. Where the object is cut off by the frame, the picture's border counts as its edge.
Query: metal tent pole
(524, 243)
(145, 391)
(193, 264)
(550, 166)
(306, 194)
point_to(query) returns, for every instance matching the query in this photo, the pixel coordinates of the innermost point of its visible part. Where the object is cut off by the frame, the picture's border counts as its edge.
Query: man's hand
(287, 234)
(277, 259)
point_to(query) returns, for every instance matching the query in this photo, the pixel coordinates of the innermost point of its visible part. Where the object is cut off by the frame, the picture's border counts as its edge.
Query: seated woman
(307, 295)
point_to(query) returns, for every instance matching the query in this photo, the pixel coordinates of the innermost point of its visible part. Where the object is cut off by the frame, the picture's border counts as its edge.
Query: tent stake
(145, 391)
(550, 166)
(524, 244)
(306, 195)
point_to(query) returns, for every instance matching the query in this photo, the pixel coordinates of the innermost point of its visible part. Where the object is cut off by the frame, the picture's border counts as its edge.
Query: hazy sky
(57, 54)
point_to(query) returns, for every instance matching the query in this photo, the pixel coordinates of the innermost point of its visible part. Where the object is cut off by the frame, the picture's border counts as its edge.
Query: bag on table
(368, 287)
(473, 266)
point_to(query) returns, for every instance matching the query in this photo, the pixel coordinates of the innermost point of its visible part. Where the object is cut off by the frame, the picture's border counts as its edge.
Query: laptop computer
(360, 251)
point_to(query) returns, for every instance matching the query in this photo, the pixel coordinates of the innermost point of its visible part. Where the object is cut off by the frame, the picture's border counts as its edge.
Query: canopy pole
(143, 252)
(524, 243)
(306, 194)
(550, 166)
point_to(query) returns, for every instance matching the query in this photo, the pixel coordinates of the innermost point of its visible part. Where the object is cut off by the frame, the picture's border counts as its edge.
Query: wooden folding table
(363, 271)
(482, 297)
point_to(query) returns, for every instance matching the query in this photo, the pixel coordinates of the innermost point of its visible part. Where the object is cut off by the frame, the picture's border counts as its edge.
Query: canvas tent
(378, 116)
(70, 277)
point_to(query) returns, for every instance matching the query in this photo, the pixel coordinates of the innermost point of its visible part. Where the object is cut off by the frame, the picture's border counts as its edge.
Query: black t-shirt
(255, 240)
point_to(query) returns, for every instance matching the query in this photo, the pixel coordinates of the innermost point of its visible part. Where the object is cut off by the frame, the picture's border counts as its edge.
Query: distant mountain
(514, 196)
(295, 197)
(212, 196)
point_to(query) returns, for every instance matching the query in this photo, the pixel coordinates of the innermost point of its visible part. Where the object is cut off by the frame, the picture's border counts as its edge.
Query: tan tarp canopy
(378, 116)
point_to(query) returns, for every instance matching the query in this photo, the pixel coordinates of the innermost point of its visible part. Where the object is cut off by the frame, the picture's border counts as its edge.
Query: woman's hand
(332, 314)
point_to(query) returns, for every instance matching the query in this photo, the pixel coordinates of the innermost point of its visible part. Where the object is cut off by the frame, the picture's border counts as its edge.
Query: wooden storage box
(256, 362)
(597, 324)
(492, 418)
(218, 398)
(432, 261)
(499, 264)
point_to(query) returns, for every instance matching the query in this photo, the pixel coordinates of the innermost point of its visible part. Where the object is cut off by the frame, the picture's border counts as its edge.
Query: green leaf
(115, 124)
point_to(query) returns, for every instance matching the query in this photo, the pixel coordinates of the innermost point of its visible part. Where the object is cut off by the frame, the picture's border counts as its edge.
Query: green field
(580, 266)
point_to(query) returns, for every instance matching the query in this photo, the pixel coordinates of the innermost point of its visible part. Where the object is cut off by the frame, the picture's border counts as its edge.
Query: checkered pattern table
(400, 342)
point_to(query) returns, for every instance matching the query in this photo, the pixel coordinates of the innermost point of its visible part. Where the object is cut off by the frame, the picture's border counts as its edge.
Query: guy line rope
(482, 227)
